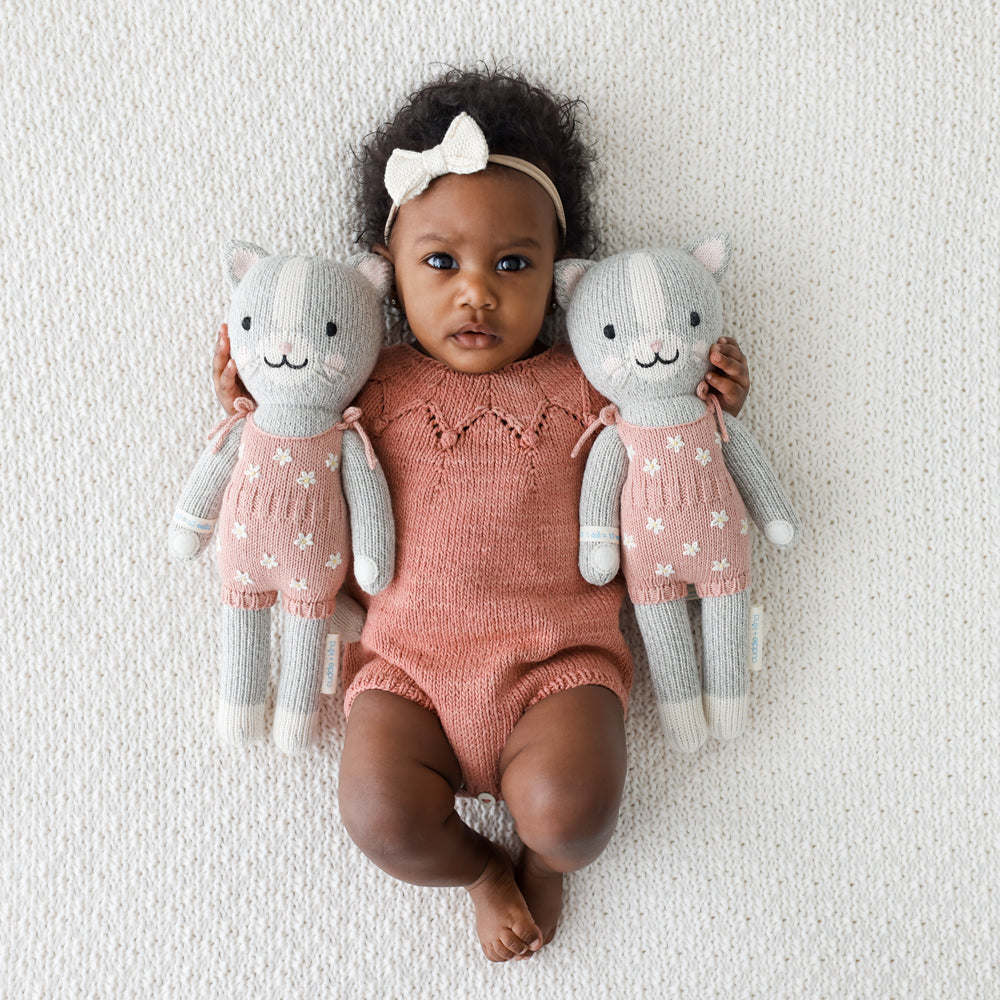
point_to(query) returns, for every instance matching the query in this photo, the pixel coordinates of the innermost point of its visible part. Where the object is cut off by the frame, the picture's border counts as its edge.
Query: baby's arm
(373, 530)
(228, 386)
(765, 500)
(600, 508)
(729, 379)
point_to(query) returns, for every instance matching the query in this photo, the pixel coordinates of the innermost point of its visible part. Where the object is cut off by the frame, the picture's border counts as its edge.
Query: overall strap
(352, 420)
(605, 418)
(244, 407)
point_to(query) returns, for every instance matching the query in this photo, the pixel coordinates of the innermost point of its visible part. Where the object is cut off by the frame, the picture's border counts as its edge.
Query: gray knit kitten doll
(305, 335)
(670, 486)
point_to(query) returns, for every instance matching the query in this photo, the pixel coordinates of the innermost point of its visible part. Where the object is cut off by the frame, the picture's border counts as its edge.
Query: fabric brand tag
(331, 664)
(590, 533)
(755, 640)
(199, 525)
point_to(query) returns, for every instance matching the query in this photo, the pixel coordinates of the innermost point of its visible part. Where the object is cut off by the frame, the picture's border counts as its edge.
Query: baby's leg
(398, 777)
(246, 647)
(666, 633)
(724, 623)
(563, 771)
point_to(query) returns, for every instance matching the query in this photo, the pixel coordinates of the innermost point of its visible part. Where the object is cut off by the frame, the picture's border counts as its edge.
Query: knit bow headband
(463, 150)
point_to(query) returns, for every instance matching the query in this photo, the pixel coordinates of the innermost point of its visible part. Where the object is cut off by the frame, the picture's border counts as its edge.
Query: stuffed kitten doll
(670, 485)
(305, 335)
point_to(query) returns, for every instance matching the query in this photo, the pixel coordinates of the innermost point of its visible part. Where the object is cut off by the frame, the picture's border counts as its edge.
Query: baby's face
(473, 258)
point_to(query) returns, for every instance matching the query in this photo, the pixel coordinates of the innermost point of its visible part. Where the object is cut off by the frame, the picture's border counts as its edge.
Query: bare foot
(542, 890)
(503, 922)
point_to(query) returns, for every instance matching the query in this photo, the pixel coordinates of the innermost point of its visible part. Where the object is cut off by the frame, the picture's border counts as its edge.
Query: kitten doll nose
(285, 347)
(655, 346)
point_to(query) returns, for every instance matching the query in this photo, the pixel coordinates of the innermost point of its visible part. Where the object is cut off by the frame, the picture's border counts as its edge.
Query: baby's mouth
(475, 338)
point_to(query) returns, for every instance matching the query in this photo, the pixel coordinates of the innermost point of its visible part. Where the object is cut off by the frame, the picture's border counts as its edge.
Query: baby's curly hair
(518, 118)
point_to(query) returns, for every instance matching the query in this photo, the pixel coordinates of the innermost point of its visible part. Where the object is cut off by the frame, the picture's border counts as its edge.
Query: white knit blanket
(846, 846)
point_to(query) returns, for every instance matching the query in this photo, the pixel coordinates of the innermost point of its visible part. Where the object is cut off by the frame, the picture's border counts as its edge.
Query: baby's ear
(239, 258)
(713, 252)
(566, 276)
(375, 268)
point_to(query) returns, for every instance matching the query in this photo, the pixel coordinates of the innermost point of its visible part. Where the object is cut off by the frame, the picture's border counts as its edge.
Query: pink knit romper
(487, 613)
(682, 518)
(283, 524)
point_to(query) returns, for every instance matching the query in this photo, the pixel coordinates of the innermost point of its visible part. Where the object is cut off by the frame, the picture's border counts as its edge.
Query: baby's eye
(331, 329)
(513, 262)
(441, 261)
(609, 331)
(246, 323)
(695, 319)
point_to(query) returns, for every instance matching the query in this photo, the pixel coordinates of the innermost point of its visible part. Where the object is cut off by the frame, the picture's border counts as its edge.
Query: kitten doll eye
(331, 329)
(609, 331)
(695, 319)
(246, 323)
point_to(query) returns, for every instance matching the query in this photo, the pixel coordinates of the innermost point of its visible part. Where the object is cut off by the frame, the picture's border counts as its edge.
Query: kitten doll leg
(301, 677)
(725, 621)
(666, 633)
(246, 645)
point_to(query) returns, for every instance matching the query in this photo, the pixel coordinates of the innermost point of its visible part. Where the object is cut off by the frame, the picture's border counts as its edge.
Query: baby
(488, 667)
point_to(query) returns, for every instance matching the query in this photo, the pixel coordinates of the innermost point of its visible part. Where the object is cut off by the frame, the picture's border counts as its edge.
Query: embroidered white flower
(629, 542)
(268, 562)
(718, 438)
(303, 541)
(282, 456)
(252, 472)
(664, 570)
(691, 548)
(703, 456)
(334, 561)
(720, 566)
(239, 530)
(306, 479)
(333, 462)
(243, 578)
(674, 444)
(655, 525)
(719, 519)
(651, 466)
(744, 526)
(630, 451)
(298, 585)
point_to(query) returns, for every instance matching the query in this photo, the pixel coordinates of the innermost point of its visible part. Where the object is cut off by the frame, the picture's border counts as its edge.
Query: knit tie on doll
(609, 415)
(244, 407)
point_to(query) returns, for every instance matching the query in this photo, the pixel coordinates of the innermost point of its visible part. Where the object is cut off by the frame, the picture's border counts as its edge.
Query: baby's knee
(568, 820)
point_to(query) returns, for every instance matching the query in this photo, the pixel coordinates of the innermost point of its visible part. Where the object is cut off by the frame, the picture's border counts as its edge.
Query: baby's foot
(542, 891)
(503, 921)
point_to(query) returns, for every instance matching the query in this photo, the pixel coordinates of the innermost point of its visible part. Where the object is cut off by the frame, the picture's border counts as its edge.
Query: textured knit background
(847, 846)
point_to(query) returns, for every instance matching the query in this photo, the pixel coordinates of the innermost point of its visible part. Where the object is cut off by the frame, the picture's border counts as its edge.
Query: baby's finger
(221, 357)
(730, 392)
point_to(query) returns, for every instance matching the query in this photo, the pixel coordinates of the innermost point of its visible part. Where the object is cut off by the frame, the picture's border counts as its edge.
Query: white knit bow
(463, 150)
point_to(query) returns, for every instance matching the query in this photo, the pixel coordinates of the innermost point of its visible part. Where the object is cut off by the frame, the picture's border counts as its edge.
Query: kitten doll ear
(566, 276)
(713, 252)
(239, 258)
(375, 268)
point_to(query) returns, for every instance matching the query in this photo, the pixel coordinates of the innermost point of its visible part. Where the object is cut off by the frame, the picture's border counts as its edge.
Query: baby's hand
(729, 379)
(228, 386)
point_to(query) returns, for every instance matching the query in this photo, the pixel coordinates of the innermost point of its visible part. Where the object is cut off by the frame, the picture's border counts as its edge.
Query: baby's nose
(655, 346)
